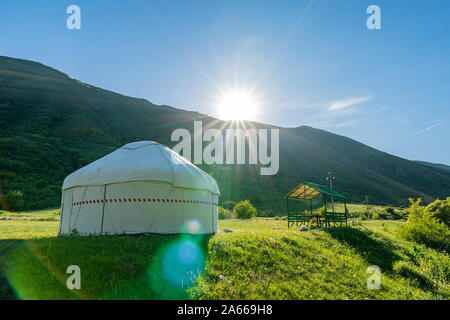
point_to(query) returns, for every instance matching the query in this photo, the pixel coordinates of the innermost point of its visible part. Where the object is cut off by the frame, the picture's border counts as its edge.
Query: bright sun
(237, 105)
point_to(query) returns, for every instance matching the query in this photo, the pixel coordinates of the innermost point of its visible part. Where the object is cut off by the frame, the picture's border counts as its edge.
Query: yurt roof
(142, 161)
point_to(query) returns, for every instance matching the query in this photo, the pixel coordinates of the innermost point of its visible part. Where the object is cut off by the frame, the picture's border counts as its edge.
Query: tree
(14, 200)
(244, 210)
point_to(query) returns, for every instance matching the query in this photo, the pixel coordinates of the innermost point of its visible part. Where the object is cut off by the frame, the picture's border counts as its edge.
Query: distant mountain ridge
(51, 125)
(435, 165)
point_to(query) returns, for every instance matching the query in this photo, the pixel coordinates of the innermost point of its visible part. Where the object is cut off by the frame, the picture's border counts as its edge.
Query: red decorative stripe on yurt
(79, 203)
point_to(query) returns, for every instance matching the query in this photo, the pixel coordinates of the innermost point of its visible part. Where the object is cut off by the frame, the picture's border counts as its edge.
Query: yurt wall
(138, 207)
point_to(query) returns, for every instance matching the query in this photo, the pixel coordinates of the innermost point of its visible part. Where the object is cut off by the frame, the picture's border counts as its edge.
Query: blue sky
(307, 62)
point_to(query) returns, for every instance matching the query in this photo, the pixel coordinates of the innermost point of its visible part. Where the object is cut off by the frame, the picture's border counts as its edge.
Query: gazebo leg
(287, 211)
(345, 210)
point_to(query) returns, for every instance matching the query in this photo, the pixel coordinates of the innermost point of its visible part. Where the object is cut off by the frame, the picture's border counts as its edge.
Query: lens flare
(182, 263)
(194, 226)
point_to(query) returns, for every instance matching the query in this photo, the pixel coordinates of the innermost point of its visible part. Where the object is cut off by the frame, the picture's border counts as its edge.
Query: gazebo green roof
(309, 190)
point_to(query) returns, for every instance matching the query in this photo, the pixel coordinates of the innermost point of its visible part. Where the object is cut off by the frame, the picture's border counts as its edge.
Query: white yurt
(143, 187)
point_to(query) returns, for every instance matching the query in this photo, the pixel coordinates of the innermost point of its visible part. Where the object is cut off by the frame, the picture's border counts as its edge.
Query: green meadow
(260, 259)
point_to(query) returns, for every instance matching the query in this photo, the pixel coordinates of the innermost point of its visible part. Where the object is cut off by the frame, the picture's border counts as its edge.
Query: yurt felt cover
(142, 161)
(141, 187)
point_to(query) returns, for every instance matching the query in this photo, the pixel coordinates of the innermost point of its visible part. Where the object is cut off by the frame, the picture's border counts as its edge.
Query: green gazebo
(307, 191)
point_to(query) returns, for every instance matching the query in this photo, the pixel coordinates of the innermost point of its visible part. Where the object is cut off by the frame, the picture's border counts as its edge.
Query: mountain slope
(51, 125)
(435, 165)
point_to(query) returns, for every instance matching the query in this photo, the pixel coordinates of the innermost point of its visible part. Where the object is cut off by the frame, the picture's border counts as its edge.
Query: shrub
(375, 215)
(225, 214)
(440, 209)
(390, 213)
(362, 216)
(422, 227)
(414, 209)
(244, 210)
(368, 211)
(415, 254)
(221, 213)
(14, 200)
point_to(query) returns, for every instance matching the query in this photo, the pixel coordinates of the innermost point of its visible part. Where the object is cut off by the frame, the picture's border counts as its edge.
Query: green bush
(362, 216)
(440, 209)
(244, 210)
(225, 213)
(389, 213)
(415, 254)
(422, 227)
(14, 200)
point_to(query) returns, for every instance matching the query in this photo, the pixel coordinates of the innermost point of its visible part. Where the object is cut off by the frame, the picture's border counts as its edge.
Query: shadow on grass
(408, 272)
(373, 251)
(112, 267)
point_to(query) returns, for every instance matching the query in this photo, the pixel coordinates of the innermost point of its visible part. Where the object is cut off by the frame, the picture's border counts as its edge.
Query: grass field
(260, 259)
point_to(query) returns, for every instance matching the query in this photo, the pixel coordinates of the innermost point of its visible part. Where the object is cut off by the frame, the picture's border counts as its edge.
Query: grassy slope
(260, 259)
(51, 125)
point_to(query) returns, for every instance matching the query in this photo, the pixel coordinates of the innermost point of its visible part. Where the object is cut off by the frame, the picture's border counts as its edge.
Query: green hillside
(51, 125)
(435, 165)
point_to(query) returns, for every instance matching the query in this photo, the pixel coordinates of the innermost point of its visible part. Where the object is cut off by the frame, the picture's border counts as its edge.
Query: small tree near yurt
(244, 210)
(224, 213)
(14, 199)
